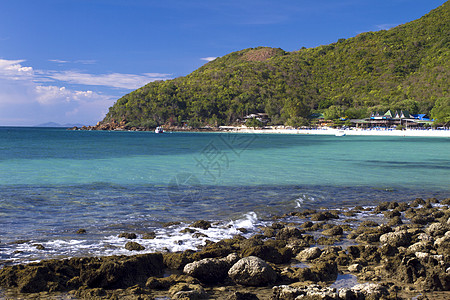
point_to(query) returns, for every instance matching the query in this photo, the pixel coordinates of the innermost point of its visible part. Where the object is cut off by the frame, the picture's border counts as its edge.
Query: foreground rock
(210, 270)
(394, 260)
(252, 271)
(62, 275)
(360, 291)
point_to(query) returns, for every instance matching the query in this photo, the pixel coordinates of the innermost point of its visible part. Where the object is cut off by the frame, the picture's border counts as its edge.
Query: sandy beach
(353, 131)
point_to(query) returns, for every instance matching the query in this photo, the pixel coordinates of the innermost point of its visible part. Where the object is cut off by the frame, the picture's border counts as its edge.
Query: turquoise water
(54, 181)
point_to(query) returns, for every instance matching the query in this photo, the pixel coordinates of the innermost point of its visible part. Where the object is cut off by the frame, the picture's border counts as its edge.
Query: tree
(254, 122)
(441, 111)
(333, 112)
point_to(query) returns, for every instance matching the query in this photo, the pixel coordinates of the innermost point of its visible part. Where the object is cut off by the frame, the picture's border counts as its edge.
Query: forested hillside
(406, 67)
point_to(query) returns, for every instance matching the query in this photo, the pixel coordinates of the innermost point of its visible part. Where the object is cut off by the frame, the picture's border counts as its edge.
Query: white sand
(331, 131)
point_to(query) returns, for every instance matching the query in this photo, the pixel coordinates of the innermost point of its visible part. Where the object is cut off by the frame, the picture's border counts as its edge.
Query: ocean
(55, 181)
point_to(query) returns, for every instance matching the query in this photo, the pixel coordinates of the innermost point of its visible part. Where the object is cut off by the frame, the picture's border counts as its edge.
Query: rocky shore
(122, 126)
(301, 255)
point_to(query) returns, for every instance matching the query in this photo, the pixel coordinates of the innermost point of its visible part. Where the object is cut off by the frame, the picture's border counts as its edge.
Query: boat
(340, 133)
(159, 130)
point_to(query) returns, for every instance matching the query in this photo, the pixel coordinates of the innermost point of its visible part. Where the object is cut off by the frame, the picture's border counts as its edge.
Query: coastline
(332, 131)
(391, 251)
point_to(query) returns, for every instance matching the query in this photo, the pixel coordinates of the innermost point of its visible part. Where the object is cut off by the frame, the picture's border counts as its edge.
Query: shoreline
(337, 132)
(394, 251)
(282, 130)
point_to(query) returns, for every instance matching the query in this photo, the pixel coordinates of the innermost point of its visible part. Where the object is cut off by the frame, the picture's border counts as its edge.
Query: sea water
(55, 181)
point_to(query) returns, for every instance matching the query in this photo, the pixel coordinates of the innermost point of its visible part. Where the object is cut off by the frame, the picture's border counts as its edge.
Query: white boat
(159, 130)
(340, 133)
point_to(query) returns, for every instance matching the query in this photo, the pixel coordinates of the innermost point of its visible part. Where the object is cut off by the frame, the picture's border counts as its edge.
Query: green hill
(406, 67)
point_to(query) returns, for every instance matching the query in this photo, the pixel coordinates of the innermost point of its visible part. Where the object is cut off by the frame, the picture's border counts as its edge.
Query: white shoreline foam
(353, 131)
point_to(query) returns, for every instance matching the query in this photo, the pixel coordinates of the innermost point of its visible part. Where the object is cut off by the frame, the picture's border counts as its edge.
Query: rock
(355, 268)
(133, 246)
(372, 290)
(436, 229)
(242, 296)
(62, 275)
(287, 233)
(202, 224)
(336, 230)
(396, 239)
(130, 236)
(309, 254)
(419, 247)
(177, 261)
(81, 231)
(269, 253)
(187, 230)
(391, 214)
(169, 224)
(187, 291)
(208, 270)
(252, 271)
(442, 241)
(323, 216)
(39, 246)
(149, 235)
(422, 220)
(307, 224)
(165, 283)
(312, 291)
(395, 221)
(286, 292)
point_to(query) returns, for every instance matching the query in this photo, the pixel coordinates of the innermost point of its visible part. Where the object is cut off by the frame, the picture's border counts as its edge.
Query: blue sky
(68, 61)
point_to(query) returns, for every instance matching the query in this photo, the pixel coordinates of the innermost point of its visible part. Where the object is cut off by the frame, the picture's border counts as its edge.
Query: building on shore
(392, 119)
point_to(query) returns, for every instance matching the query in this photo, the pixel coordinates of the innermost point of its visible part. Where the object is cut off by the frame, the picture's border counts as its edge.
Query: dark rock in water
(149, 235)
(130, 236)
(289, 233)
(19, 242)
(277, 226)
(81, 231)
(324, 215)
(243, 230)
(252, 271)
(187, 230)
(446, 201)
(39, 246)
(395, 221)
(335, 230)
(417, 202)
(168, 224)
(202, 224)
(391, 214)
(133, 246)
(242, 296)
(307, 224)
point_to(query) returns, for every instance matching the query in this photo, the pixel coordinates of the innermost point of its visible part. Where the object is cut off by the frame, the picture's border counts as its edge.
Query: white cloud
(210, 58)
(30, 97)
(116, 80)
(60, 61)
(12, 69)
